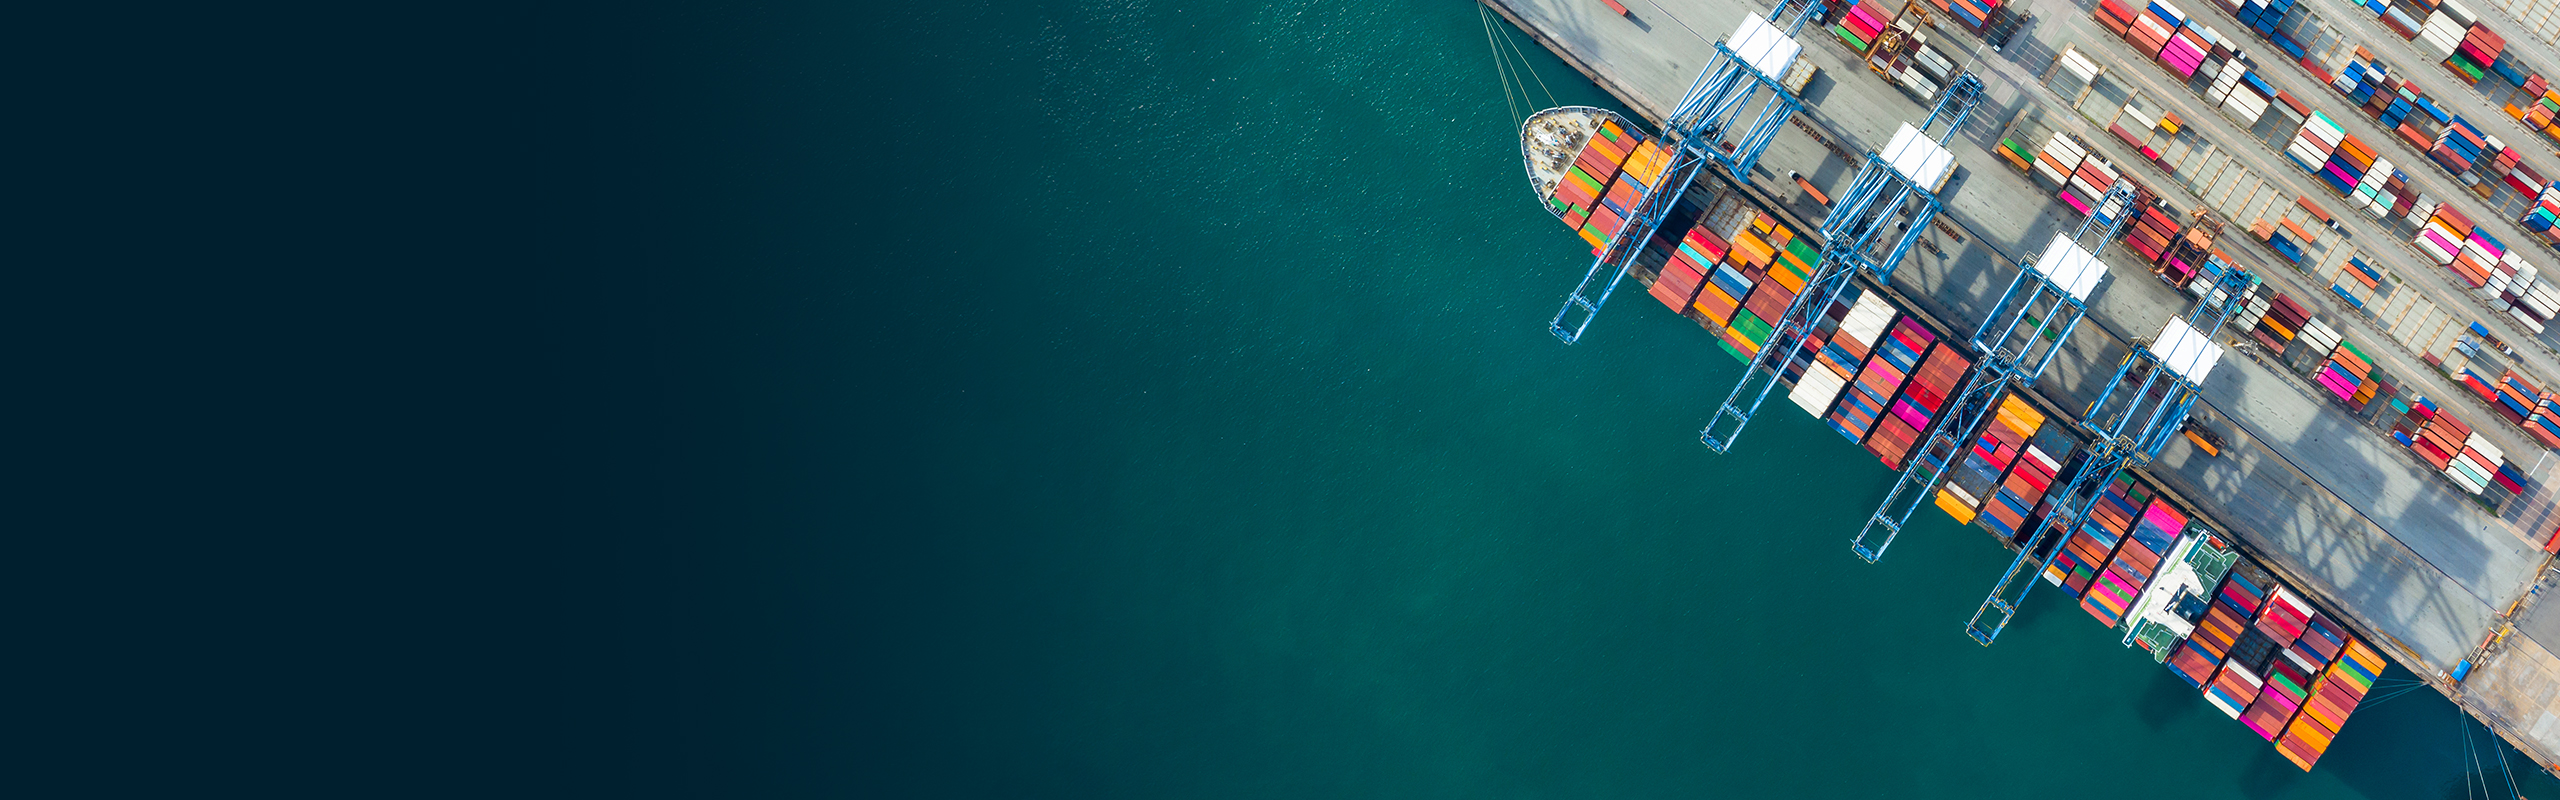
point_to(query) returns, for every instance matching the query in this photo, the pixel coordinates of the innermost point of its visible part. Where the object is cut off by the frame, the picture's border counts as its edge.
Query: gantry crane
(2127, 426)
(1896, 193)
(1753, 58)
(2014, 344)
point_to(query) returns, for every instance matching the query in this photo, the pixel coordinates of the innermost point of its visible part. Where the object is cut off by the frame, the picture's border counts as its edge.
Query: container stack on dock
(2349, 166)
(2454, 243)
(2450, 445)
(1973, 14)
(2283, 321)
(2545, 212)
(2366, 280)
(2514, 398)
(2317, 341)
(2346, 374)
(2314, 141)
(2517, 288)
(2544, 423)
(2188, 254)
(1918, 67)
(2059, 160)
(2088, 183)
(2151, 234)
(2461, 145)
(1863, 23)
(2471, 58)
(2469, 52)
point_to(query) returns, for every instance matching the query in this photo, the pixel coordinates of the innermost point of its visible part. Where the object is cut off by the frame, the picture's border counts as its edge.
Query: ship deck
(2329, 503)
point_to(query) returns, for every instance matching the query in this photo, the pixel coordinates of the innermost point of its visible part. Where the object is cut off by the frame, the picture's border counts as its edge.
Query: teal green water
(1128, 399)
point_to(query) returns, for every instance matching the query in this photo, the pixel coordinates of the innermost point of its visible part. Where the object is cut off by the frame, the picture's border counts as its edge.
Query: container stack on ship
(2229, 595)
(1880, 376)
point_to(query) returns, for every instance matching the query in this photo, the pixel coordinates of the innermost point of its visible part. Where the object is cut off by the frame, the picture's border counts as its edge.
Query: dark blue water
(1130, 399)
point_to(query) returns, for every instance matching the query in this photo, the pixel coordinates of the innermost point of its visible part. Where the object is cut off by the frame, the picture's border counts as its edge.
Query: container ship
(1574, 156)
(1879, 373)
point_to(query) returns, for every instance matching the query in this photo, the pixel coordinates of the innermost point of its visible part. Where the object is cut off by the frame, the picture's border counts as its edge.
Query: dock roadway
(2328, 502)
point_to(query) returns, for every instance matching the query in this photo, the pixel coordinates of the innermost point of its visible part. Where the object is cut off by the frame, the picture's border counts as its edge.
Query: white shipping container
(2435, 251)
(2543, 302)
(2323, 128)
(1817, 389)
(2491, 451)
(2153, 26)
(2421, 210)
(2459, 13)
(2064, 149)
(1866, 320)
(2245, 106)
(2464, 480)
(2080, 65)
(2305, 158)
(2479, 252)
(2053, 179)
(2222, 83)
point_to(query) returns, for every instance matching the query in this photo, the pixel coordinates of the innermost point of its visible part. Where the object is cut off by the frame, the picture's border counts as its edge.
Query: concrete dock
(2329, 502)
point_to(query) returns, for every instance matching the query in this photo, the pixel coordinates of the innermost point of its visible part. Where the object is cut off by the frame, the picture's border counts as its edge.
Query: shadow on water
(2269, 774)
(2168, 699)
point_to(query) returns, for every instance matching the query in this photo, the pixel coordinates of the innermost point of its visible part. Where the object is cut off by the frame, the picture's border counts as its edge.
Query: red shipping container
(1677, 286)
(1768, 301)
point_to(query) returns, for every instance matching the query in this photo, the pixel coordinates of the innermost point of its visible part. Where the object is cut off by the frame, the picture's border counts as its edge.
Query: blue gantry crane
(2142, 407)
(1696, 133)
(2013, 345)
(1888, 207)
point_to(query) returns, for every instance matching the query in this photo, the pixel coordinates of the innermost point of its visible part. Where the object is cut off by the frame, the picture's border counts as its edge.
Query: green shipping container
(1586, 181)
(1750, 328)
(2463, 64)
(1805, 253)
(1860, 45)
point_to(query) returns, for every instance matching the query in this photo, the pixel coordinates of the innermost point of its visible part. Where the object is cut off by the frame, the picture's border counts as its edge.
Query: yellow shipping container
(2019, 416)
(1955, 508)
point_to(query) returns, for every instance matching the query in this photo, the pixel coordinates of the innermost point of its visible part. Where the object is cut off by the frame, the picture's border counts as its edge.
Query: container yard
(2304, 431)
